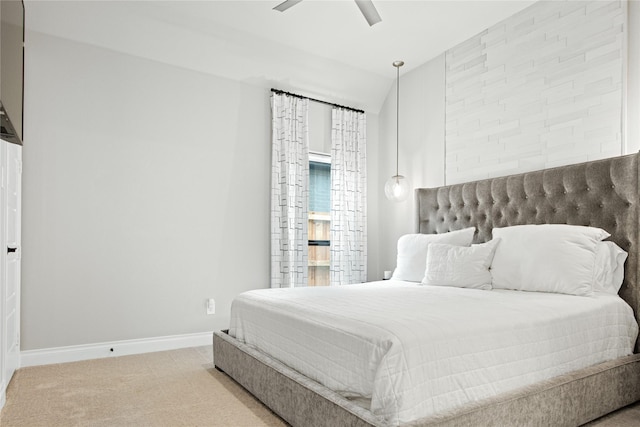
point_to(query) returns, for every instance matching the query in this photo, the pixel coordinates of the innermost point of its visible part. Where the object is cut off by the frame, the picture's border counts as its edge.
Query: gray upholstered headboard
(602, 193)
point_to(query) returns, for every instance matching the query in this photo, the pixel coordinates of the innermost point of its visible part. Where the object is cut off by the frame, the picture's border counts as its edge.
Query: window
(319, 219)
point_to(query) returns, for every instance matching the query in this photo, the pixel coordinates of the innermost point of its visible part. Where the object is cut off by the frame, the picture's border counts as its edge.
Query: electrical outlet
(211, 306)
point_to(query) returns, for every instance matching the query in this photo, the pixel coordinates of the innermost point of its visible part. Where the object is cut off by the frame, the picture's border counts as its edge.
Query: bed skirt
(568, 400)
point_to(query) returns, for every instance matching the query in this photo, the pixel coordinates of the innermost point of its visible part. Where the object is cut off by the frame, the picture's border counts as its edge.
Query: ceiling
(323, 49)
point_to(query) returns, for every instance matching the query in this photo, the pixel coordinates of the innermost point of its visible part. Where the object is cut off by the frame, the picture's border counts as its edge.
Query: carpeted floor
(171, 388)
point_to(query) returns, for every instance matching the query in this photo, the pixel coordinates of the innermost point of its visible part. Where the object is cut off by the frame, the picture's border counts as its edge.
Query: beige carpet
(171, 388)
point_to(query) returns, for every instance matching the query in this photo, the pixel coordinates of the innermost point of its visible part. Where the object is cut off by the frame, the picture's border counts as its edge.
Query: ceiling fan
(366, 7)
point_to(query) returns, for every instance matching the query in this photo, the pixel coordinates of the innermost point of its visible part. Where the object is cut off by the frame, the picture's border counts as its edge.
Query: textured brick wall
(542, 88)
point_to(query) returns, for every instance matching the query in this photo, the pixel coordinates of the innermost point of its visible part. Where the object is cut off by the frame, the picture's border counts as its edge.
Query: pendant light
(397, 187)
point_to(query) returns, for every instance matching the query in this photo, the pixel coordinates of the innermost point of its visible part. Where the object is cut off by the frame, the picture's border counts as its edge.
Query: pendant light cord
(397, 119)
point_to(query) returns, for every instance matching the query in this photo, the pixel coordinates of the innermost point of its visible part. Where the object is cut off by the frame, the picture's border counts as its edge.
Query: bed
(601, 194)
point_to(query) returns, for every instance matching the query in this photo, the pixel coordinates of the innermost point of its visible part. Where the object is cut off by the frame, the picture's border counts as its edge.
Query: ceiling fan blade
(369, 11)
(286, 5)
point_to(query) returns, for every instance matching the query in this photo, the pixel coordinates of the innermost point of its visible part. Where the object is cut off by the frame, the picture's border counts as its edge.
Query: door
(12, 226)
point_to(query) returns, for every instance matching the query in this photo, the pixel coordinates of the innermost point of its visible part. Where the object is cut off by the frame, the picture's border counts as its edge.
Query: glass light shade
(397, 188)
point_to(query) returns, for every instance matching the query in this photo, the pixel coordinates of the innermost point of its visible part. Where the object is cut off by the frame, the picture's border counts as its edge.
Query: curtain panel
(348, 197)
(289, 191)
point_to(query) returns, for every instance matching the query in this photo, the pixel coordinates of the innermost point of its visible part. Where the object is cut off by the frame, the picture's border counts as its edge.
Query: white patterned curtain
(348, 197)
(289, 191)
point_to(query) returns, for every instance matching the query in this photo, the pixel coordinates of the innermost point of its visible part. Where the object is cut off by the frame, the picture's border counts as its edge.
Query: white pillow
(609, 268)
(546, 258)
(460, 266)
(412, 251)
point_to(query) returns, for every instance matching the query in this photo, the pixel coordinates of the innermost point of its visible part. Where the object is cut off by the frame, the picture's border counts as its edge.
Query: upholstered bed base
(291, 395)
(602, 193)
(568, 400)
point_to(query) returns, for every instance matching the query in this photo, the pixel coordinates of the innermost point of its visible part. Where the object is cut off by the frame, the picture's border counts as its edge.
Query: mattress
(412, 351)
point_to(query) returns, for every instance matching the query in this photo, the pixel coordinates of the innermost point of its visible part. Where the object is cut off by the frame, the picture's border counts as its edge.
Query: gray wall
(421, 152)
(145, 191)
(320, 128)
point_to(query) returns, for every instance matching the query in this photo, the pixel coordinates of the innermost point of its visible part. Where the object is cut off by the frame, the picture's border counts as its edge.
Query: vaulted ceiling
(323, 49)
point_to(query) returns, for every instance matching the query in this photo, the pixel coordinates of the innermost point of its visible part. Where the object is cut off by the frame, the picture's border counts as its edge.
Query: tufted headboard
(601, 193)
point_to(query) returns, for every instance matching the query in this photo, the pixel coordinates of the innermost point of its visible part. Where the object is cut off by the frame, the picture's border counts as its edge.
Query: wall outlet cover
(211, 306)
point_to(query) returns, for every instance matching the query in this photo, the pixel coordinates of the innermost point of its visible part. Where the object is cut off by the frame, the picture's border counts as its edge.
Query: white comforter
(418, 350)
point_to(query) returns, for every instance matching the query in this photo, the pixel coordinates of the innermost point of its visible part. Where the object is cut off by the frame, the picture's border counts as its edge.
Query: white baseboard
(74, 353)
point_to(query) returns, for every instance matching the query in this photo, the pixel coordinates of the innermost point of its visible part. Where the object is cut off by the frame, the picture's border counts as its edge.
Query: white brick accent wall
(542, 88)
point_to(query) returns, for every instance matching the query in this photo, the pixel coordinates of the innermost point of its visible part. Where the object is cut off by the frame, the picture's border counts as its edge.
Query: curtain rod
(278, 91)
